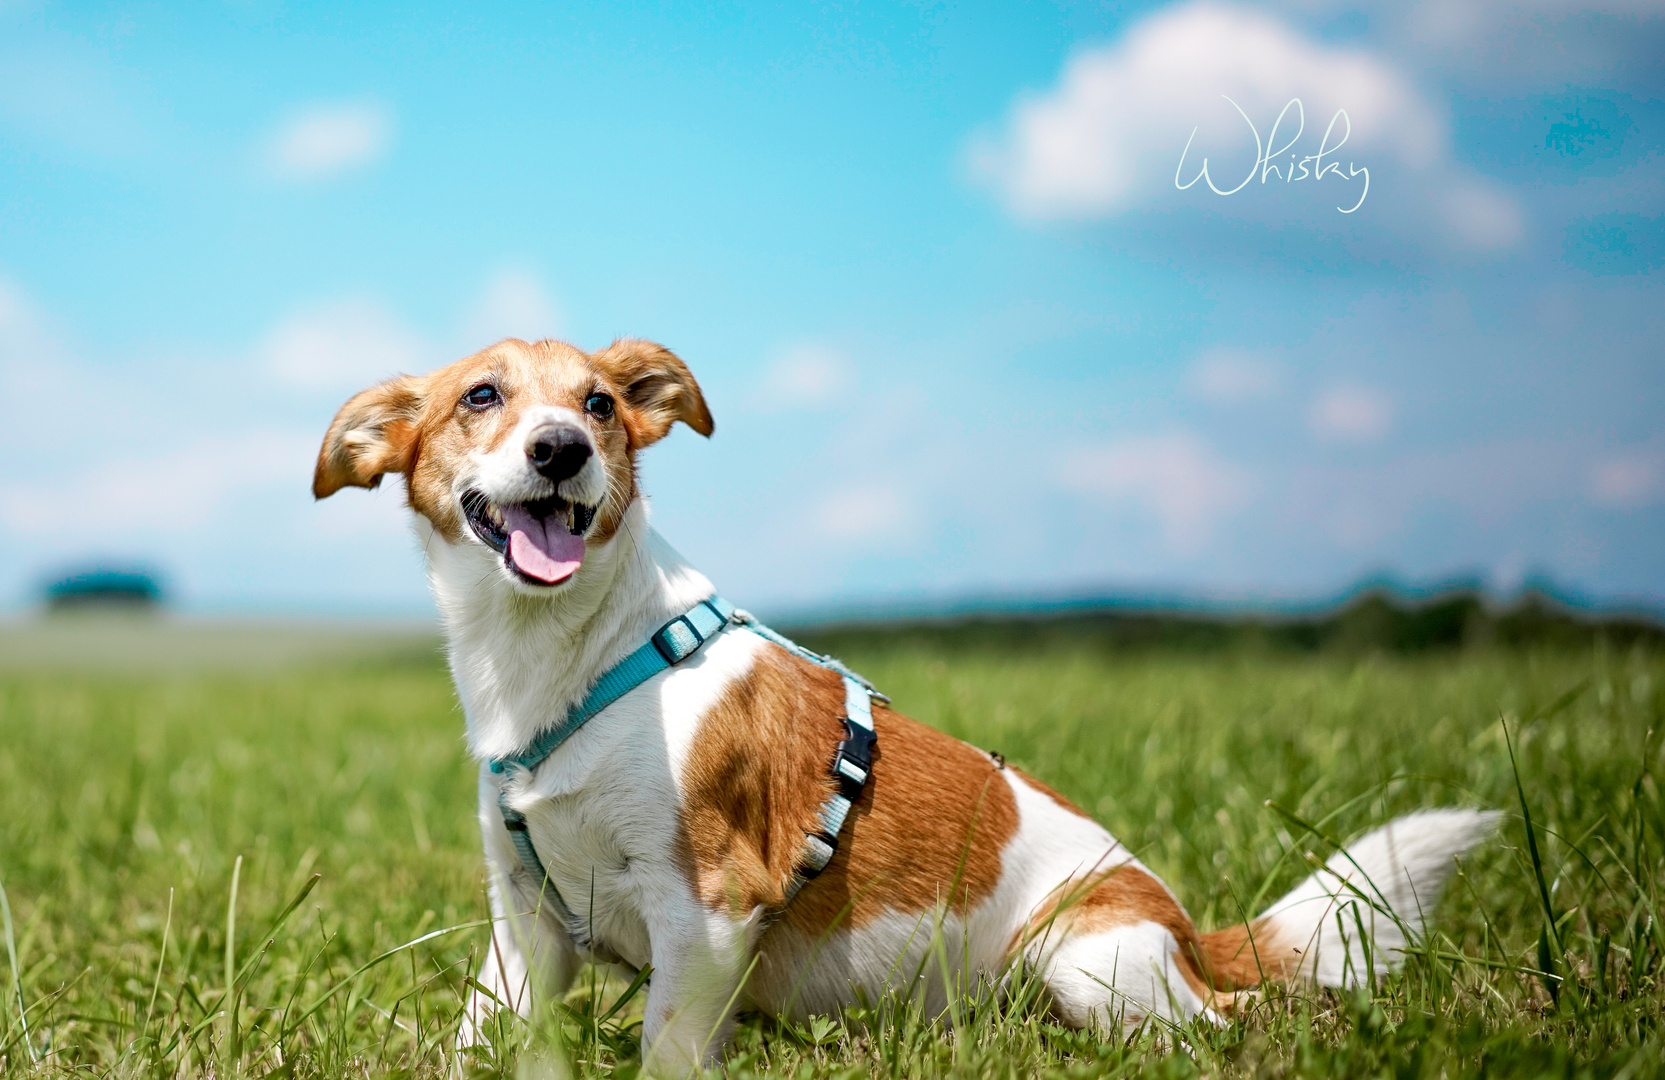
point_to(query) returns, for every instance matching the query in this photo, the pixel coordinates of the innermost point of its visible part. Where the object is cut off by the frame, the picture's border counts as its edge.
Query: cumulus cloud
(211, 502)
(804, 377)
(515, 303)
(1176, 477)
(1482, 217)
(1229, 376)
(875, 515)
(24, 342)
(1111, 132)
(1361, 504)
(1355, 414)
(326, 140)
(1111, 136)
(36, 366)
(1630, 480)
(345, 345)
(163, 492)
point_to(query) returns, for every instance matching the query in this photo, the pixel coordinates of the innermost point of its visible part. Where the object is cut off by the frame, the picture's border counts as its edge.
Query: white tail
(1384, 883)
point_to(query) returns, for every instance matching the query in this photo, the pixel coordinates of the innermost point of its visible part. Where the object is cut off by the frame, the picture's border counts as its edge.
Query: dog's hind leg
(1120, 978)
(1118, 952)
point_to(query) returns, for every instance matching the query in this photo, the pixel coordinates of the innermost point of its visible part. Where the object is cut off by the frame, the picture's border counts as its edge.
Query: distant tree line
(1374, 620)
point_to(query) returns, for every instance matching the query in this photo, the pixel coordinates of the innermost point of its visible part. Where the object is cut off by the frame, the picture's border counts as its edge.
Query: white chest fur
(519, 660)
(603, 810)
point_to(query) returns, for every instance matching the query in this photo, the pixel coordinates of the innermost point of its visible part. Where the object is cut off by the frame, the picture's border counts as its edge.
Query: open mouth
(541, 541)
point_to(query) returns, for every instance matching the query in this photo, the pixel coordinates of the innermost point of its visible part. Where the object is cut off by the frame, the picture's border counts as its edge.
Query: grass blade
(324, 998)
(1531, 836)
(230, 996)
(17, 979)
(249, 965)
(161, 959)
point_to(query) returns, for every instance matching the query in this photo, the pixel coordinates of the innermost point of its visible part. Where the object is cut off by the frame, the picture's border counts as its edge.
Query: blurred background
(969, 336)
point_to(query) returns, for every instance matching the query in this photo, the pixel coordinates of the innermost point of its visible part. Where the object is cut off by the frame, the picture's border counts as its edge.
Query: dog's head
(528, 450)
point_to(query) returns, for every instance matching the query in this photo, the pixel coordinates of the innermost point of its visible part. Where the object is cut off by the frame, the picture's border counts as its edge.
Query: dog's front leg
(528, 948)
(700, 958)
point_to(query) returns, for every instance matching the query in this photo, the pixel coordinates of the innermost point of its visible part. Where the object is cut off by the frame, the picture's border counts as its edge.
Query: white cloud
(804, 377)
(1229, 376)
(1482, 216)
(1110, 137)
(1176, 477)
(1630, 480)
(36, 368)
(878, 515)
(24, 343)
(1356, 414)
(165, 492)
(1362, 505)
(515, 304)
(327, 140)
(346, 345)
(350, 343)
(157, 484)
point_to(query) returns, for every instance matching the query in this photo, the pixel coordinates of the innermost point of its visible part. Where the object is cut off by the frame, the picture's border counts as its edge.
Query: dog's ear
(658, 388)
(374, 433)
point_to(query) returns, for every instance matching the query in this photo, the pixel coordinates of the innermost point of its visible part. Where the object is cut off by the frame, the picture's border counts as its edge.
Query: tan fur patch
(1213, 964)
(755, 777)
(1238, 957)
(759, 772)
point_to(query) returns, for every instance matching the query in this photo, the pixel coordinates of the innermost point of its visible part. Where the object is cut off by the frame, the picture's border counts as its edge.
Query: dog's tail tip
(1353, 919)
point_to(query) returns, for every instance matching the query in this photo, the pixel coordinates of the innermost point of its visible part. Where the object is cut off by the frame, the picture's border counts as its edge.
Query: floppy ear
(374, 433)
(658, 388)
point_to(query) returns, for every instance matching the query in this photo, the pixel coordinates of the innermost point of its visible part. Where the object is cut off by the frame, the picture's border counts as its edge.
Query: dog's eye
(483, 396)
(599, 406)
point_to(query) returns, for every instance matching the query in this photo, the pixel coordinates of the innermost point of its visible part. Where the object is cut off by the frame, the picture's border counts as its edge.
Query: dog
(671, 828)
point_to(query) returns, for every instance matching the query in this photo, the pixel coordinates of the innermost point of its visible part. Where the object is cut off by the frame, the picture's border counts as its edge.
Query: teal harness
(669, 646)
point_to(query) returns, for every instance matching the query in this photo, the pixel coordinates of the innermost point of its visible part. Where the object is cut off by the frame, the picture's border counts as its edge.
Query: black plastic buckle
(857, 748)
(662, 641)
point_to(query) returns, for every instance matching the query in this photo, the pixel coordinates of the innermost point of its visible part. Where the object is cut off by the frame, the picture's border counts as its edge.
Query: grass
(213, 870)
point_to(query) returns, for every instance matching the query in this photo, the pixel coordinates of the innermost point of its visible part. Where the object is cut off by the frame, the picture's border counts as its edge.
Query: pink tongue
(542, 548)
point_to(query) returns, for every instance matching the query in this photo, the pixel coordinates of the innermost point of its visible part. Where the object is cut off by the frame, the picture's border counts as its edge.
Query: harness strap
(852, 764)
(670, 645)
(749, 621)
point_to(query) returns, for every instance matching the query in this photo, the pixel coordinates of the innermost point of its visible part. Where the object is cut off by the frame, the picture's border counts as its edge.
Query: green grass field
(158, 819)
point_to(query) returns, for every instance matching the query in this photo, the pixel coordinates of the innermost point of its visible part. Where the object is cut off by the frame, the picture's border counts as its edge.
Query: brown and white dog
(674, 819)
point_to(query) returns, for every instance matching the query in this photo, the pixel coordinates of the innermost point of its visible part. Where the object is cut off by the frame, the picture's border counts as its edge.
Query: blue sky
(960, 328)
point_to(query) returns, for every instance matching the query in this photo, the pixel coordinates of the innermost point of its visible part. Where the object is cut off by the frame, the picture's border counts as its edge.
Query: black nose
(557, 451)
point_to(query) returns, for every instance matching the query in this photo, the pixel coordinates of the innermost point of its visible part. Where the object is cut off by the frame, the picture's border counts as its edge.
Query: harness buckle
(673, 651)
(853, 760)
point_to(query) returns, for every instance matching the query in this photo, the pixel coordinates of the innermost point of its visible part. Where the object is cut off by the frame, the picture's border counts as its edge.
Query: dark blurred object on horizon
(1373, 619)
(105, 589)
